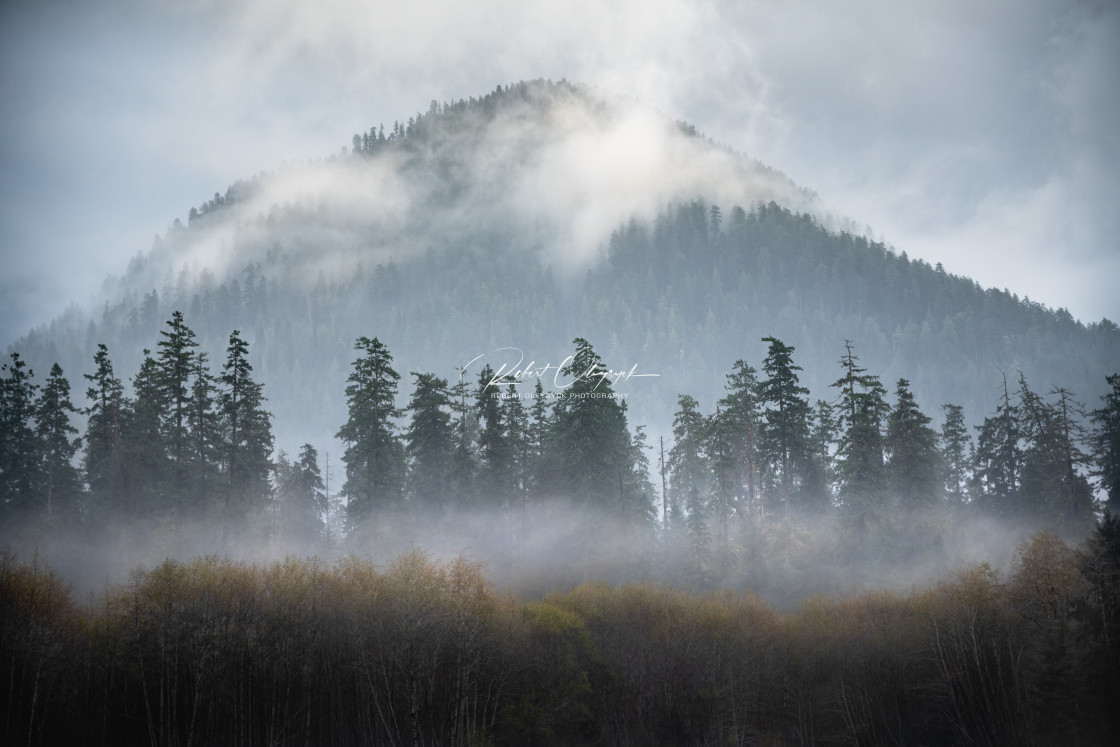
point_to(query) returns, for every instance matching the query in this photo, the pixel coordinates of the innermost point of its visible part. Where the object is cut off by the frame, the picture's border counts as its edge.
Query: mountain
(508, 225)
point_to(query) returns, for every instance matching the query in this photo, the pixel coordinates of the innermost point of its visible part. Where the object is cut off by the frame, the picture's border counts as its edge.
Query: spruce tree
(1105, 443)
(60, 486)
(175, 359)
(103, 463)
(591, 436)
(785, 427)
(914, 474)
(374, 456)
(19, 446)
(247, 429)
(956, 455)
(147, 467)
(741, 412)
(429, 443)
(999, 459)
(860, 468)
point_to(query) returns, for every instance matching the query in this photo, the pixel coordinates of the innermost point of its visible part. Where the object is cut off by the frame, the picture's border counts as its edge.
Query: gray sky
(978, 134)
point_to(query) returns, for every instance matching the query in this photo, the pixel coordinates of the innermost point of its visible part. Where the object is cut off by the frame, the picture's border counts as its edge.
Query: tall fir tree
(1105, 442)
(302, 497)
(741, 412)
(19, 445)
(956, 455)
(495, 451)
(147, 467)
(374, 455)
(175, 359)
(914, 472)
(429, 444)
(105, 416)
(60, 487)
(996, 474)
(860, 468)
(247, 429)
(785, 429)
(592, 439)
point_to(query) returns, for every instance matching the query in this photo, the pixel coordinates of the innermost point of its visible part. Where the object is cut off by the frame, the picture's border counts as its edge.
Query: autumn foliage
(304, 653)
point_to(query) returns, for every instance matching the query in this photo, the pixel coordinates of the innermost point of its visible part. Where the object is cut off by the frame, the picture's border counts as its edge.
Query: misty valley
(414, 445)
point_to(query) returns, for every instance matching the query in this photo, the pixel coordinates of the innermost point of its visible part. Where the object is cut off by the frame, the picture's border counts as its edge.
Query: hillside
(542, 212)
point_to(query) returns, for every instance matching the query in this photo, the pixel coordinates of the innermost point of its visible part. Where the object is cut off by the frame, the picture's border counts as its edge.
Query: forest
(639, 621)
(306, 500)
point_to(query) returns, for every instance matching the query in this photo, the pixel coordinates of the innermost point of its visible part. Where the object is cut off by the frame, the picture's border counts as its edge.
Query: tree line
(188, 442)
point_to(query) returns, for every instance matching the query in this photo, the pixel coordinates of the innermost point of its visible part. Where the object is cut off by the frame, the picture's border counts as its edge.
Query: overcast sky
(980, 134)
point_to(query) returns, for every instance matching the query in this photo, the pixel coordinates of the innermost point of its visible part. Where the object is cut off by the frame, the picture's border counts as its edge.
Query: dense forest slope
(542, 212)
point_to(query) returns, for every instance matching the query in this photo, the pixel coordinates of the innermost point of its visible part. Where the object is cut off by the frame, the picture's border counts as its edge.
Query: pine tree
(591, 436)
(518, 440)
(429, 443)
(205, 438)
(61, 486)
(741, 412)
(302, 497)
(691, 480)
(495, 452)
(176, 353)
(785, 428)
(860, 453)
(19, 446)
(1105, 443)
(374, 456)
(247, 429)
(956, 455)
(914, 473)
(999, 459)
(147, 468)
(464, 462)
(537, 470)
(103, 464)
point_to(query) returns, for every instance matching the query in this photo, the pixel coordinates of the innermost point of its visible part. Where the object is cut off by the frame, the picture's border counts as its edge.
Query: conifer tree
(691, 480)
(176, 354)
(147, 467)
(60, 484)
(914, 474)
(999, 459)
(785, 428)
(495, 452)
(956, 455)
(247, 429)
(591, 436)
(429, 443)
(302, 496)
(19, 446)
(860, 453)
(103, 465)
(741, 412)
(205, 437)
(374, 456)
(1106, 443)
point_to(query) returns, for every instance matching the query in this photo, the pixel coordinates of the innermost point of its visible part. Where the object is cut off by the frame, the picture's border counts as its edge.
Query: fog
(958, 134)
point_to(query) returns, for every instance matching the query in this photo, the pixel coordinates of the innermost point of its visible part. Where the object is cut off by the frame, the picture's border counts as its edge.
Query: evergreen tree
(817, 486)
(247, 429)
(429, 443)
(999, 459)
(537, 441)
(690, 480)
(302, 497)
(19, 446)
(914, 474)
(176, 353)
(205, 437)
(785, 429)
(1106, 443)
(464, 427)
(518, 440)
(374, 456)
(742, 415)
(104, 468)
(592, 438)
(956, 455)
(143, 450)
(61, 485)
(860, 453)
(495, 452)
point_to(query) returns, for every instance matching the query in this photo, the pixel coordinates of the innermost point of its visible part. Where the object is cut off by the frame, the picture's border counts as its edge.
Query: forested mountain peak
(545, 211)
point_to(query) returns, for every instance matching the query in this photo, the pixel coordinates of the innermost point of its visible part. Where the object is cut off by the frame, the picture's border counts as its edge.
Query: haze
(976, 137)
